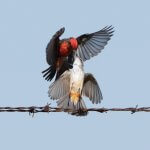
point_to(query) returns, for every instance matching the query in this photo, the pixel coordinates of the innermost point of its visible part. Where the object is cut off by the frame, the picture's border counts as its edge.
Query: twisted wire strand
(48, 108)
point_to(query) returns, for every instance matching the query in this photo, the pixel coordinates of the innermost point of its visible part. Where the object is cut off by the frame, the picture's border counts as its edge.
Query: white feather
(77, 75)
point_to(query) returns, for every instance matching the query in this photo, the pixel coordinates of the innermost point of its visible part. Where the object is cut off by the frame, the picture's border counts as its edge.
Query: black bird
(59, 52)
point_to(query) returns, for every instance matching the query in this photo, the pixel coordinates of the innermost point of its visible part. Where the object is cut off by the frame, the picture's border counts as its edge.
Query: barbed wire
(47, 108)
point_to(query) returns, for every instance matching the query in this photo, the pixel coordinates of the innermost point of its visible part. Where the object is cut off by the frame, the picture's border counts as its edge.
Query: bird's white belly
(77, 78)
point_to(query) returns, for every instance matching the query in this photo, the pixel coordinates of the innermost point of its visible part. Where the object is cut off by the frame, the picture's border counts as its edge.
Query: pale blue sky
(122, 71)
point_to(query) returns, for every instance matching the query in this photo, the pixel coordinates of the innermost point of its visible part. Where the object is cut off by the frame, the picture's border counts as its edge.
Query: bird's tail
(49, 73)
(78, 109)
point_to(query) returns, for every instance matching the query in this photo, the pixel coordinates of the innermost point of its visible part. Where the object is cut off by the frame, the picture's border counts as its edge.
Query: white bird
(72, 85)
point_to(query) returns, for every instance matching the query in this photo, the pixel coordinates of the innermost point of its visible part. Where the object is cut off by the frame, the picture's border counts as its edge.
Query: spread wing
(60, 87)
(92, 44)
(91, 89)
(52, 47)
(52, 55)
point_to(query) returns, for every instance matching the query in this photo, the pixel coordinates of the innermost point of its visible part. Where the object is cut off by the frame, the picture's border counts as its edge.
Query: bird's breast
(77, 74)
(64, 49)
(76, 84)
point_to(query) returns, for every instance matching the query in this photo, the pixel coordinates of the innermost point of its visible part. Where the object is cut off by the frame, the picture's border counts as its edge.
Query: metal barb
(134, 110)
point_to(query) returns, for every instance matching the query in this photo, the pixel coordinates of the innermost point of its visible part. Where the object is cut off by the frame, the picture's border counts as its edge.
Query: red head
(64, 49)
(74, 43)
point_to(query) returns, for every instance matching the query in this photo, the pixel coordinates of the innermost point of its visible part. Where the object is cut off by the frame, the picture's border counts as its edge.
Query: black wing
(67, 64)
(49, 73)
(52, 47)
(92, 44)
(52, 55)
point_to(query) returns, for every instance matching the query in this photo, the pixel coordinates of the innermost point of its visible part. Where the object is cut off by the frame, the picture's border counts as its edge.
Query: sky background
(122, 71)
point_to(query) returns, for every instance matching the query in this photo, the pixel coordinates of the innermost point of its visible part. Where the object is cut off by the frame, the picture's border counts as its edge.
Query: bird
(59, 51)
(72, 85)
